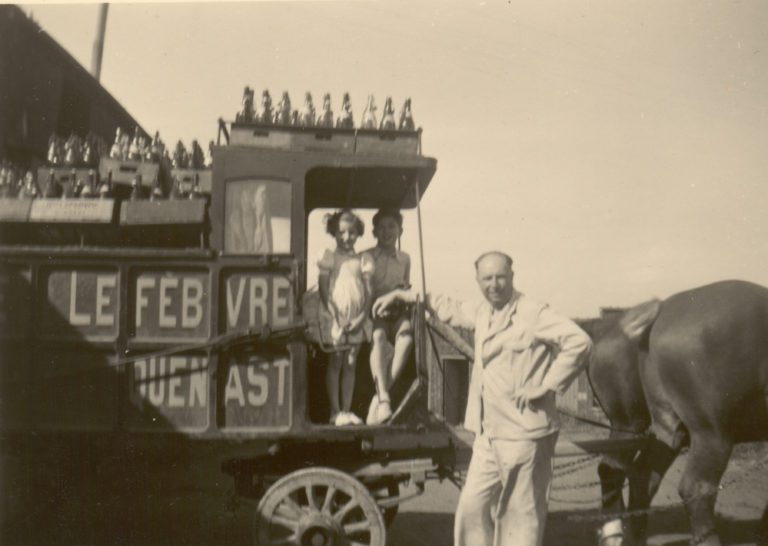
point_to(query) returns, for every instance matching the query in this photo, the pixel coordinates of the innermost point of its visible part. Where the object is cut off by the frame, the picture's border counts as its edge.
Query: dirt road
(197, 507)
(428, 520)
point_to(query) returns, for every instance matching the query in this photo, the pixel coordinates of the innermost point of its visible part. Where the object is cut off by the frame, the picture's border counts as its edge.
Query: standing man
(525, 354)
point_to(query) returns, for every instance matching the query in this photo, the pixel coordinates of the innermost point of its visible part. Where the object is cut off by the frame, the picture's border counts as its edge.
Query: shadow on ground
(177, 502)
(192, 517)
(668, 529)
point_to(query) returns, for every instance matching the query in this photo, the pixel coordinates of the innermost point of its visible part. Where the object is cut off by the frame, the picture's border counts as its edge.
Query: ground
(428, 520)
(197, 507)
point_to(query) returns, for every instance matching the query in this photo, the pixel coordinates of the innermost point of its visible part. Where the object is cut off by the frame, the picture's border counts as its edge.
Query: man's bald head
(494, 277)
(498, 254)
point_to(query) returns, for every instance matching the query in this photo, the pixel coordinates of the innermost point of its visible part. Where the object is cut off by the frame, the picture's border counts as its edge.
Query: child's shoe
(372, 410)
(342, 419)
(383, 412)
(354, 419)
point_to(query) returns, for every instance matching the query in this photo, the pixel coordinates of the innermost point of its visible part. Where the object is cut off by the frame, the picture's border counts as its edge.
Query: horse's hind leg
(648, 471)
(613, 471)
(612, 477)
(698, 487)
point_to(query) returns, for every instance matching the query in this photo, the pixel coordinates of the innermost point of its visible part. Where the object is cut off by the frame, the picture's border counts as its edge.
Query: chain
(592, 518)
(582, 486)
(573, 466)
(577, 486)
(600, 518)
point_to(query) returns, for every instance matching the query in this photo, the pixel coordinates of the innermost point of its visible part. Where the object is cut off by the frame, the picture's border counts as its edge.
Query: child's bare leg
(380, 364)
(348, 377)
(403, 344)
(335, 361)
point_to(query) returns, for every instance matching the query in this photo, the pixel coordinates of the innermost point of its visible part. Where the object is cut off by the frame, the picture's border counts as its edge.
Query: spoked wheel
(319, 507)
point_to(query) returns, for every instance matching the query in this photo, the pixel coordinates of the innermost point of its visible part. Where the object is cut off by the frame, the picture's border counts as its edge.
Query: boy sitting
(392, 324)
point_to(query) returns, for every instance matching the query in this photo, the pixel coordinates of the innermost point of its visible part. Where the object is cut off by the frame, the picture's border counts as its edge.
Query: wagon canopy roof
(368, 186)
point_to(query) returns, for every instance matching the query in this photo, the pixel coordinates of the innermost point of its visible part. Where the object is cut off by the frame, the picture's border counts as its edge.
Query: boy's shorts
(397, 323)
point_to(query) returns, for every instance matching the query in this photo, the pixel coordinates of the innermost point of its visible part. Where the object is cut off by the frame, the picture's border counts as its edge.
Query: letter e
(103, 299)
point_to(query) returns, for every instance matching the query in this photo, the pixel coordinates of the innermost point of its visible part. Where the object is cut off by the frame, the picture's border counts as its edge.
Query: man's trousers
(504, 499)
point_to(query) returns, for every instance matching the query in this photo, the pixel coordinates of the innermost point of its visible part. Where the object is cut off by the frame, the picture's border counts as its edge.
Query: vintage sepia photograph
(384, 273)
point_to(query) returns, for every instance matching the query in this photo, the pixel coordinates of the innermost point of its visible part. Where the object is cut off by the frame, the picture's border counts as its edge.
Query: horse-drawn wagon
(143, 322)
(162, 313)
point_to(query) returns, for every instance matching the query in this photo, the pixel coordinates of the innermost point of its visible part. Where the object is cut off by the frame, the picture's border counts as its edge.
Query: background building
(44, 90)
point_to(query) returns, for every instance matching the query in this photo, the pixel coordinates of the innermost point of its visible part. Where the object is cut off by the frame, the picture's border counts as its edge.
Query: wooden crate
(373, 142)
(147, 213)
(186, 178)
(260, 136)
(15, 210)
(123, 171)
(317, 139)
(66, 177)
(78, 211)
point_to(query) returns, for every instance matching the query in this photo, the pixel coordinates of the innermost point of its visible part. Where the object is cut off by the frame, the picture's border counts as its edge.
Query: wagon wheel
(319, 507)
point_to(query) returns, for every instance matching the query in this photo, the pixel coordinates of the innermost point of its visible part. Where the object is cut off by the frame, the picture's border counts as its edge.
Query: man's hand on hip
(530, 396)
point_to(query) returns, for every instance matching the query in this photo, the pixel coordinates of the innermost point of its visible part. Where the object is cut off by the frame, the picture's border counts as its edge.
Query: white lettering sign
(268, 301)
(173, 382)
(83, 296)
(249, 385)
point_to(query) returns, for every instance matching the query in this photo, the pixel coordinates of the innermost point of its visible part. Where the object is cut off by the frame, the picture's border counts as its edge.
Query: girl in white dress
(345, 290)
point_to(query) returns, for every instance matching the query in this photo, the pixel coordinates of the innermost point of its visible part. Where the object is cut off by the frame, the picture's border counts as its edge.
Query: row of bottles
(16, 182)
(14, 186)
(283, 114)
(139, 192)
(140, 148)
(75, 151)
(71, 186)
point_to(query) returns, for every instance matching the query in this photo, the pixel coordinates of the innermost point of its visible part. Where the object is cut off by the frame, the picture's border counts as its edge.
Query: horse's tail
(636, 323)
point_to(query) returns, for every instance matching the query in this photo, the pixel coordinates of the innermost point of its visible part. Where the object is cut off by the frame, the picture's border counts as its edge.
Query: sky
(617, 150)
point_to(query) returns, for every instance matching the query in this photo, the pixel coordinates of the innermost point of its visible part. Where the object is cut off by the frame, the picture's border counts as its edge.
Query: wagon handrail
(449, 335)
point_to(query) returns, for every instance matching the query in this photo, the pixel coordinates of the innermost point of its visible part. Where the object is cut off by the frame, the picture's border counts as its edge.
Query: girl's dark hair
(332, 222)
(391, 213)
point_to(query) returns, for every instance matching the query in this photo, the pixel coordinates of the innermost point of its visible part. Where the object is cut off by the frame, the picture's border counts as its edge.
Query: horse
(690, 371)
